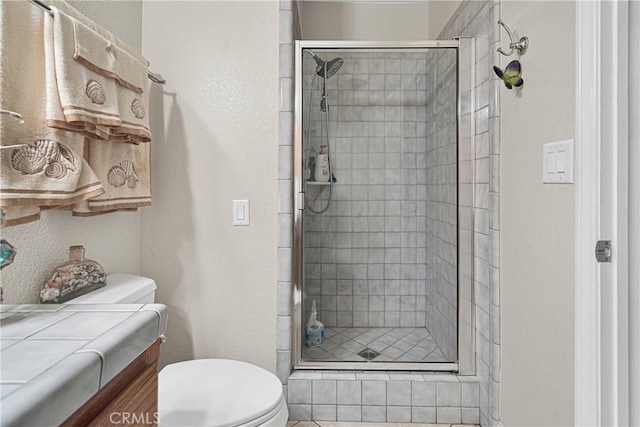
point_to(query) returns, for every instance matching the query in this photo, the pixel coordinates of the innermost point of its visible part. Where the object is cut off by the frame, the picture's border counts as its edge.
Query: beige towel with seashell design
(124, 170)
(95, 85)
(39, 166)
(46, 172)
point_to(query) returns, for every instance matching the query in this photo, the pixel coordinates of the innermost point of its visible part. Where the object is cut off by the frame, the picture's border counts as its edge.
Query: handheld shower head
(331, 66)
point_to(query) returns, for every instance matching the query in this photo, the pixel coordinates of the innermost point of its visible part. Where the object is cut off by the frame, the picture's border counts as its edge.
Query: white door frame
(634, 214)
(607, 300)
(587, 283)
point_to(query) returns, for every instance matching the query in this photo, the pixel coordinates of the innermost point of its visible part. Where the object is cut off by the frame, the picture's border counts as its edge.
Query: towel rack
(16, 116)
(152, 76)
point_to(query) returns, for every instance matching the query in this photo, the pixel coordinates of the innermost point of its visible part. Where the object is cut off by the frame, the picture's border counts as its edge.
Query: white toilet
(204, 392)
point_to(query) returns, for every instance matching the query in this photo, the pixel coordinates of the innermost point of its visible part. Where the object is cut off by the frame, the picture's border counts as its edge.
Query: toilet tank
(121, 289)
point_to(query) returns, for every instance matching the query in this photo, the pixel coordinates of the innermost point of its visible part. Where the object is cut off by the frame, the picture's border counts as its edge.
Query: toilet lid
(216, 392)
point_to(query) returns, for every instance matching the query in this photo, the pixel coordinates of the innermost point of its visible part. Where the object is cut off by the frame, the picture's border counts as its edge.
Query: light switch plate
(240, 212)
(557, 162)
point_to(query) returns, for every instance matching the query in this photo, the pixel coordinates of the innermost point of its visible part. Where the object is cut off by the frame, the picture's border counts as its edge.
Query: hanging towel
(46, 172)
(39, 166)
(124, 170)
(106, 100)
(64, 7)
(16, 215)
(108, 58)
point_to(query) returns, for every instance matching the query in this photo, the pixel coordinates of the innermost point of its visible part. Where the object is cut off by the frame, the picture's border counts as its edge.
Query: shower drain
(368, 354)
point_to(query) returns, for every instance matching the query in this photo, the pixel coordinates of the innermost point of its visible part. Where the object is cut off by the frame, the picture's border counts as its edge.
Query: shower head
(331, 66)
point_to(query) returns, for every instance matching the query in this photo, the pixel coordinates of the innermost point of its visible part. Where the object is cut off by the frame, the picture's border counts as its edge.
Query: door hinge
(301, 200)
(603, 251)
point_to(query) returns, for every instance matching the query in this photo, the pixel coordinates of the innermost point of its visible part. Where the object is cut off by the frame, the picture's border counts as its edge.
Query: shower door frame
(465, 365)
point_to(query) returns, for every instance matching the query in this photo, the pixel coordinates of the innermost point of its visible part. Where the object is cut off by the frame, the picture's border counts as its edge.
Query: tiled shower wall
(441, 206)
(471, 19)
(479, 19)
(365, 256)
(289, 29)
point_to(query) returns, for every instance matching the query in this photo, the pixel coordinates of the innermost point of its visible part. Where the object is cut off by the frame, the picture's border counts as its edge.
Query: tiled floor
(351, 424)
(392, 344)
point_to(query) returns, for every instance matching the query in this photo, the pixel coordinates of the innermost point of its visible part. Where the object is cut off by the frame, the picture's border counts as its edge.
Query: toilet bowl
(202, 392)
(235, 394)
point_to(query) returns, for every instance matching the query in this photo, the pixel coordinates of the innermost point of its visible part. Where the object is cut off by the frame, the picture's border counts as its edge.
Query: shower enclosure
(384, 204)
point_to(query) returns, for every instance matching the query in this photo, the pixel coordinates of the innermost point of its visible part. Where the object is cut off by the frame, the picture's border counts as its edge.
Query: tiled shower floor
(392, 344)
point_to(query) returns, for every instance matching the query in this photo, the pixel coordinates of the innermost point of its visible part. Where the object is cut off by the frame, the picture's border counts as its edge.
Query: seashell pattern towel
(39, 166)
(94, 85)
(124, 170)
(90, 144)
(46, 173)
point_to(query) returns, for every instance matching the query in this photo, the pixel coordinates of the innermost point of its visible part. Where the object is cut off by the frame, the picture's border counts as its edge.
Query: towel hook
(521, 45)
(16, 116)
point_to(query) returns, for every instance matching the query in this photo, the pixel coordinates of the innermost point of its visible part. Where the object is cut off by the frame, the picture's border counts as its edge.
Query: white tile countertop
(55, 357)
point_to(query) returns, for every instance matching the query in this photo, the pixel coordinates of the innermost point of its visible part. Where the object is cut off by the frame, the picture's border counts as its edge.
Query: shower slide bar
(152, 76)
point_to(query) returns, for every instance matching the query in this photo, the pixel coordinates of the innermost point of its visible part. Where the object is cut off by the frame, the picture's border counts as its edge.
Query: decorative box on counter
(74, 278)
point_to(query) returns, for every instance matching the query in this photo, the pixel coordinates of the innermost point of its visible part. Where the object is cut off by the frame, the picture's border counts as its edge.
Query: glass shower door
(377, 214)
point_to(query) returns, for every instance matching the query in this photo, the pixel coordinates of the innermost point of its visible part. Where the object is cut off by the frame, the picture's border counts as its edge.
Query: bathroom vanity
(80, 364)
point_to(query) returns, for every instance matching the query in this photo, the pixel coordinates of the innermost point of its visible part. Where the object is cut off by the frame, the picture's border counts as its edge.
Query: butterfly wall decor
(511, 74)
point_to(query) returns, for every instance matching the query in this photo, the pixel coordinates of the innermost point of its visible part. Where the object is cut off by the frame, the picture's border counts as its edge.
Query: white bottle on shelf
(322, 165)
